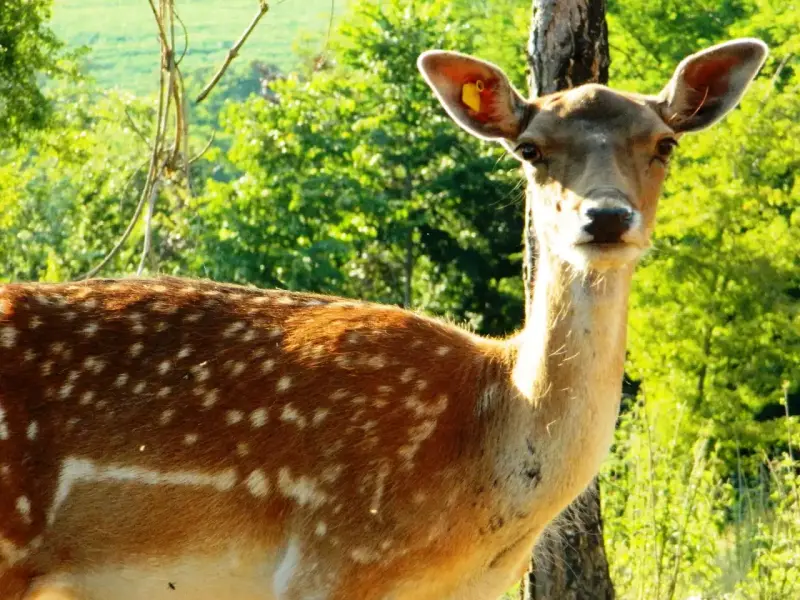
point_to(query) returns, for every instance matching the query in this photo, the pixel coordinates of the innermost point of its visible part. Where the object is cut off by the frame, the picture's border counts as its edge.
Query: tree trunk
(568, 46)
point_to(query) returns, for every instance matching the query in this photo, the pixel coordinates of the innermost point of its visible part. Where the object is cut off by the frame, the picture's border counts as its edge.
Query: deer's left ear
(475, 93)
(708, 84)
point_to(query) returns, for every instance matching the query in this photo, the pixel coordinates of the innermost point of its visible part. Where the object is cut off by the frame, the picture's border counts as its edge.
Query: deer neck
(569, 371)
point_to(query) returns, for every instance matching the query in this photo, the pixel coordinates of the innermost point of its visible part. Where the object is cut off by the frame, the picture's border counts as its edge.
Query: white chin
(600, 257)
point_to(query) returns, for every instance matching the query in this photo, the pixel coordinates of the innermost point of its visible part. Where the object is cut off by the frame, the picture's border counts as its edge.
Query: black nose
(606, 225)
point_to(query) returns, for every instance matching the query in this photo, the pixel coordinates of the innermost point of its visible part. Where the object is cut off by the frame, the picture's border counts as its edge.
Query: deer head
(595, 158)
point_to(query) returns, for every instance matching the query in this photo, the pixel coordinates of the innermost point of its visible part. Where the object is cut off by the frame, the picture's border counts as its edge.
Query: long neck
(570, 364)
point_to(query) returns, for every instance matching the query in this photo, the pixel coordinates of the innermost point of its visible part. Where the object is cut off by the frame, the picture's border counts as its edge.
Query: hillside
(124, 50)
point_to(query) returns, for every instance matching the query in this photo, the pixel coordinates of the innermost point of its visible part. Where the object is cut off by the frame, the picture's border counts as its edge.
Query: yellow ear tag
(471, 95)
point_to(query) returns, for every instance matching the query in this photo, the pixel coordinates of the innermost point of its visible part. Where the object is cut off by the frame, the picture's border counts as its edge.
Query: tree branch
(234, 51)
(134, 219)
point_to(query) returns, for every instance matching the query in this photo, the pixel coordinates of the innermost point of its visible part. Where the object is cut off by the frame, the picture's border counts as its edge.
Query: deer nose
(607, 225)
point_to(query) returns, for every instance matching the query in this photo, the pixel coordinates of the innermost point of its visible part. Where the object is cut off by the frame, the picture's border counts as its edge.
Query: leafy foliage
(28, 51)
(363, 187)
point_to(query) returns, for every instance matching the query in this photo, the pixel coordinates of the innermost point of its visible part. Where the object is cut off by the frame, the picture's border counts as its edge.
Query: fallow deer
(170, 438)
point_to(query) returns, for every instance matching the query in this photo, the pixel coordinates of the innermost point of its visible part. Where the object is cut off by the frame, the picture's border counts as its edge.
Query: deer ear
(476, 94)
(708, 84)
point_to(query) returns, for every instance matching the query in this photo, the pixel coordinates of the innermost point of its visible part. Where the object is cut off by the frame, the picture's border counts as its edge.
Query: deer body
(280, 445)
(175, 439)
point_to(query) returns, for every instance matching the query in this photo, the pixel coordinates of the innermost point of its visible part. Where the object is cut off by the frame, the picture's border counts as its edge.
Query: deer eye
(665, 147)
(530, 152)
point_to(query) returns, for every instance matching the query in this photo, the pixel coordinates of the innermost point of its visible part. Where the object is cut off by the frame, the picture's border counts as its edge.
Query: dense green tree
(357, 183)
(29, 52)
(714, 332)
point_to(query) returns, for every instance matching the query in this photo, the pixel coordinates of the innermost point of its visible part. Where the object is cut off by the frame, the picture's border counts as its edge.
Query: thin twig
(234, 51)
(185, 39)
(131, 224)
(166, 159)
(200, 154)
(135, 127)
(162, 32)
(330, 27)
(148, 227)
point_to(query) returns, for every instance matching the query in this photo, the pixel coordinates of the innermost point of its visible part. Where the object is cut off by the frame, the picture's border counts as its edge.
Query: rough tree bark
(568, 46)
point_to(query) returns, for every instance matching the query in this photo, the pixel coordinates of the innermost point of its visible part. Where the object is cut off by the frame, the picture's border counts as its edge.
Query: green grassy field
(122, 36)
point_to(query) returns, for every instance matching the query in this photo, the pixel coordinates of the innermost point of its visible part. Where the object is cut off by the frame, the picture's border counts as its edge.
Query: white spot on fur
(139, 387)
(284, 383)
(33, 430)
(201, 372)
(276, 331)
(35, 322)
(136, 349)
(416, 435)
(167, 416)
(210, 398)
(47, 367)
(407, 375)
(121, 380)
(321, 529)
(94, 364)
(302, 489)
(8, 336)
(24, 508)
(185, 351)
(377, 362)
(268, 365)
(258, 418)
(380, 482)
(65, 391)
(339, 394)
(319, 415)
(4, 431)
(90, 329)
(290, 415)
(164, 392)
(257, 484)
(232, 417)
(86, 398)
(190, 439)
(233, 328)
(164, 366)
(236, 368)
(443, 350)
(364, 556)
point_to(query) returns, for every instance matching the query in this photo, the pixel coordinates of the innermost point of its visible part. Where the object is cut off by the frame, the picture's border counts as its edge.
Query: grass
(124, 49)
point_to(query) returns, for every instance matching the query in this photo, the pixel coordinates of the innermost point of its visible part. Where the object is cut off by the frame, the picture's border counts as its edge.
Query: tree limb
(234, 51)
(134, 219)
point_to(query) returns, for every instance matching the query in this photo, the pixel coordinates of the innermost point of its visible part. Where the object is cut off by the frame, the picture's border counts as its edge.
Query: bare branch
(234, 51)
(200, 154)
(148, 227)
(135, 127)
(131, 224)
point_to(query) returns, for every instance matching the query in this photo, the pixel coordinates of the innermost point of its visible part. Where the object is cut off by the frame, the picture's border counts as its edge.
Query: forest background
(329, 166)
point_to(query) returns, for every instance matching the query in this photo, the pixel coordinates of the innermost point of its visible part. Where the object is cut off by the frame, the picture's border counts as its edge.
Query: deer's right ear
(476, 94)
